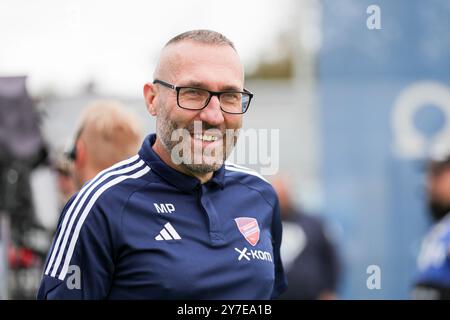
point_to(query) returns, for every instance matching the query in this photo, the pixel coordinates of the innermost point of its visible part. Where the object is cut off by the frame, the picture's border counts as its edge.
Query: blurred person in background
(154, 227)
(63, 167)
(433, 278)
(107, 133)
(23, 152)
(309, 255)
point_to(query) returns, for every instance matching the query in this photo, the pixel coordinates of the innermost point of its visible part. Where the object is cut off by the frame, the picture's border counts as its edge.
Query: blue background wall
(374, 194)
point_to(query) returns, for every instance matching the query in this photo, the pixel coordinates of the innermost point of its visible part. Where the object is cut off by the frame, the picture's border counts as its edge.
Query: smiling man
(176, 221)
(208, 73)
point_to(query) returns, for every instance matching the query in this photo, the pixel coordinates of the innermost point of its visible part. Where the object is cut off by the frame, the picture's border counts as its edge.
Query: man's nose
(212, 113)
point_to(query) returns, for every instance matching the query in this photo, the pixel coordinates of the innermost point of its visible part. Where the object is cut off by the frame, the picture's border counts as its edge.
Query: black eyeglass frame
(211, 94)
(72, 153)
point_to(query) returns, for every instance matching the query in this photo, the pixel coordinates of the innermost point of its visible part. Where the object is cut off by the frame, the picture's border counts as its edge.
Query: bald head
(172, 52)
(203, 36)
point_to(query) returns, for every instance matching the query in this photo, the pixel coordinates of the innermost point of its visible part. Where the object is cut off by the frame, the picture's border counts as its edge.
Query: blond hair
(110, 132)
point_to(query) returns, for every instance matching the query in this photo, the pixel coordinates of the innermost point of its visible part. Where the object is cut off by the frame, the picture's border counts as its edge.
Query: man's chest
(180, 247)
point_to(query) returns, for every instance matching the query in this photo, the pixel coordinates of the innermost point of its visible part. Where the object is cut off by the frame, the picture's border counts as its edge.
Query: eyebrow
(202, 85)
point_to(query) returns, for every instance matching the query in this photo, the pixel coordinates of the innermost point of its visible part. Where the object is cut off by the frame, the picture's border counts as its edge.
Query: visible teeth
(205, 137)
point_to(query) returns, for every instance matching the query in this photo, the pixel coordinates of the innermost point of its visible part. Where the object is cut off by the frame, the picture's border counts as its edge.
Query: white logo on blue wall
(409, 141)
(374, 279)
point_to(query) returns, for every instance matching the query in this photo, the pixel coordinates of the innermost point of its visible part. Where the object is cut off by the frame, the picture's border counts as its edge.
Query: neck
(161, 151)
(82, 175)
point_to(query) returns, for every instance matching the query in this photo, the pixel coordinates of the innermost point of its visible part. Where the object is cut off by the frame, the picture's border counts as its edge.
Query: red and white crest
(249, 228)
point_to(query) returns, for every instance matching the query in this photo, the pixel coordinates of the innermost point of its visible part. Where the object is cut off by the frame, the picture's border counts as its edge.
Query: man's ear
(81, 152)
(149, 96)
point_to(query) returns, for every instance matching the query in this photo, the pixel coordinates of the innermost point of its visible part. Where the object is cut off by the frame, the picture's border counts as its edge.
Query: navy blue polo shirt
(142, 230)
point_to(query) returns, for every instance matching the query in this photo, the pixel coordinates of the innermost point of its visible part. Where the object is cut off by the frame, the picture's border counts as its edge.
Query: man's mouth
(205, 137)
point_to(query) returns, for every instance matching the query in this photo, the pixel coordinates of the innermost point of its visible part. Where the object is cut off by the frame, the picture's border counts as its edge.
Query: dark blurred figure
(433, 279)
(22, 151)
(309, 257)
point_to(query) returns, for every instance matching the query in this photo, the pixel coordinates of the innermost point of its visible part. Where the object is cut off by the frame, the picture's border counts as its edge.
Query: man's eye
(193, 92)
(231, 96)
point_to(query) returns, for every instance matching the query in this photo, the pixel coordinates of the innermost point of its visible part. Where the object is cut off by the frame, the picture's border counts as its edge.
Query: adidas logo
(168, 233)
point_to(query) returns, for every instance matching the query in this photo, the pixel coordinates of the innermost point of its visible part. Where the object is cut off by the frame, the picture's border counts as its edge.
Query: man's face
(438, 186)
(211, 67)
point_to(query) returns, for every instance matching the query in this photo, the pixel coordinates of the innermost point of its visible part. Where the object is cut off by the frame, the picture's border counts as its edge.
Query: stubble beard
(166, 128)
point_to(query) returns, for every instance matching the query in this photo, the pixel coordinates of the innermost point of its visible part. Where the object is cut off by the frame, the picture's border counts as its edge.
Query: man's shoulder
(114, 185)
(246, 175)
(251, 179)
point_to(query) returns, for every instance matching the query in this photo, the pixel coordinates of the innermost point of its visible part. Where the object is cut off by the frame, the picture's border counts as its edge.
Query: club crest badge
(249, 228)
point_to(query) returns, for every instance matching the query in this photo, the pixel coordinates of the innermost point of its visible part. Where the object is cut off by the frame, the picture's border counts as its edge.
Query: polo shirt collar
(176, 178)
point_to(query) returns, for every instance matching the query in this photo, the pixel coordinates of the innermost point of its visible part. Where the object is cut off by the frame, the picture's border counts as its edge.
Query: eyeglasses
(191, 98)
(72, 153)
